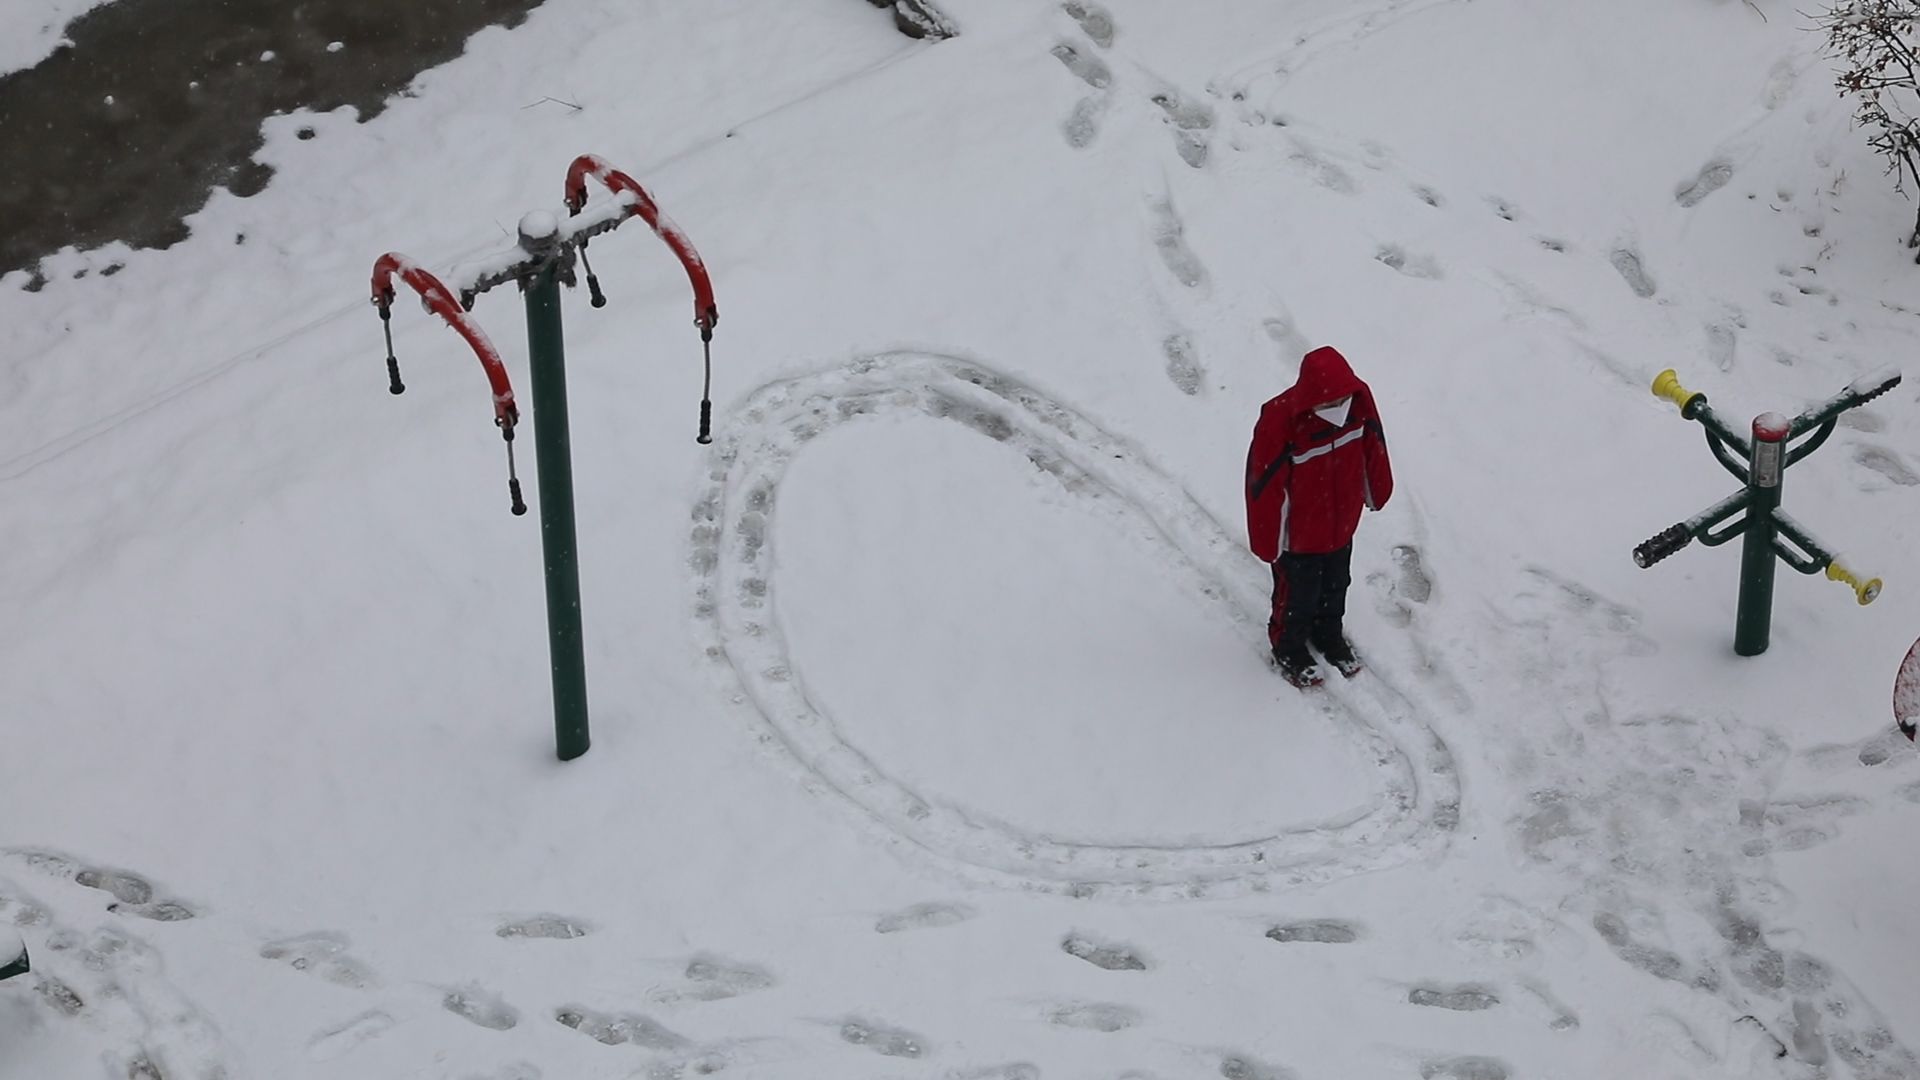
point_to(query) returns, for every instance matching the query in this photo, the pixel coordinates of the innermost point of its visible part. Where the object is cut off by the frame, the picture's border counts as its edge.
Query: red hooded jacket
(1307, 479)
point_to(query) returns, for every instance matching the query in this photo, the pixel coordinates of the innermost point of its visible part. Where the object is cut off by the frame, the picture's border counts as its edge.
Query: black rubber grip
(519, 504)
(1881, 389)
(1662, 544)
(706, 423)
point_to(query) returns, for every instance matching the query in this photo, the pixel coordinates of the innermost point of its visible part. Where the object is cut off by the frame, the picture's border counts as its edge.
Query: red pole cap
(1772, 427)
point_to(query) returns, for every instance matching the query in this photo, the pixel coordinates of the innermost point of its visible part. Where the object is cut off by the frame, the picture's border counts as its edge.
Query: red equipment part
(439, 300)
(705, 313)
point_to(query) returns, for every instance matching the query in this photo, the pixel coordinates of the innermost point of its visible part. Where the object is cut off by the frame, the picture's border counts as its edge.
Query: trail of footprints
(1512, 922)
(111, 980)
(1189, 120)
(132, 894)
(707, 977)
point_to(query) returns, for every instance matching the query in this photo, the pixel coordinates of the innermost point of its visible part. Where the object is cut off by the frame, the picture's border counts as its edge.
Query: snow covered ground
(932, 732)
(37, 27)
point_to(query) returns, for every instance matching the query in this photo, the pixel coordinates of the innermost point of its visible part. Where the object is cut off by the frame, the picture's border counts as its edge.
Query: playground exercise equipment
(542, 262)
(1768, 531)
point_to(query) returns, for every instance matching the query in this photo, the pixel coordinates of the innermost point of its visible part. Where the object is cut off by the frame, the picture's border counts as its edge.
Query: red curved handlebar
(440, 301)
(705, 312)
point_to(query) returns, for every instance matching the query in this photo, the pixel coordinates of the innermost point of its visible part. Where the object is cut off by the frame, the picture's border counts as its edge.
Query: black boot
(1337, 650)
(1297, 666)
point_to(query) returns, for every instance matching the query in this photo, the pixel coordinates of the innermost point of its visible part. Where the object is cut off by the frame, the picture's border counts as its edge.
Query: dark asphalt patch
(125, 132)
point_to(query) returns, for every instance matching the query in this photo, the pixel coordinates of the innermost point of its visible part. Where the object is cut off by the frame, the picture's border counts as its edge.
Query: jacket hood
(1324, 376)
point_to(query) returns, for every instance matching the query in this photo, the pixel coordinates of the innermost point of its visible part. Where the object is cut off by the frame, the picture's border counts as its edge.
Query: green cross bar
(1760, 461)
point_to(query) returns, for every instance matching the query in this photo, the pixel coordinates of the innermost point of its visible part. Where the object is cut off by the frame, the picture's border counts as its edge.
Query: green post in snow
(1768, 531)
(546, 346)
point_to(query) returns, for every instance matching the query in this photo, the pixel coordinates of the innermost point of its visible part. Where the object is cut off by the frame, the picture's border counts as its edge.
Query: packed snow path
(1417, 792)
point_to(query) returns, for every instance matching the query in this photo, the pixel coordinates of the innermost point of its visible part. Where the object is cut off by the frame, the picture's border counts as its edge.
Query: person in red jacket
(1318, 457)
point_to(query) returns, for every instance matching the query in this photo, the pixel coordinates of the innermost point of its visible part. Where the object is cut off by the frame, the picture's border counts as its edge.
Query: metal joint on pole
(1767, 533)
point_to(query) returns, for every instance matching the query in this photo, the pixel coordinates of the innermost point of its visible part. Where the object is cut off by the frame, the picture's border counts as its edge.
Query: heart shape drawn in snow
(1418, 793)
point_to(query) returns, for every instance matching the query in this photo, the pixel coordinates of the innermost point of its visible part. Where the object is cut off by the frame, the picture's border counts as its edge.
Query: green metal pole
(1753, 622)
(554, 465)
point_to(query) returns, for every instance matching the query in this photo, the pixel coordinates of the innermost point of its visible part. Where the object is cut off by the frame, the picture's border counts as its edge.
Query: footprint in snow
(1464, 1068)
(1781, 78)
(1169, 238)
(1099, 1016)
(126, 886)
(1502, 209)
(1795, 825)
(58, 996)
(1887, 464)
(344, 1038)
(1429, 196)
(1880, 748)
(1183, 369)
(1455, 998)
(618, 1029)
(1082, 125)
(1316, 931)
(1095, 21)
(479, 1006)
(132, 893)
(1652, 959)
(1323, 172)
(321, 954)
(558, 927)
(1013, 1070)
(1757, 965)
(1103, 954)
(713, 978)
(883, 1040)
(1086, 67)
(1418, 266)
(1415, 583)
(924, 917)
(1721, 343)
(1628, 263)
(1190, 119)
(1711, 178)
(1246, 1067)
(1191, 146)
(1410, 586)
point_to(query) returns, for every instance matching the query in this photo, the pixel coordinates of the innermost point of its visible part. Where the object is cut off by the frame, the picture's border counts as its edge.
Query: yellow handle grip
(1867, 591)
(1667, 385)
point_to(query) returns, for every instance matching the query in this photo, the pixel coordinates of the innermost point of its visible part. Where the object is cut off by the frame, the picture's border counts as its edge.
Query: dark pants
(1309, 598)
